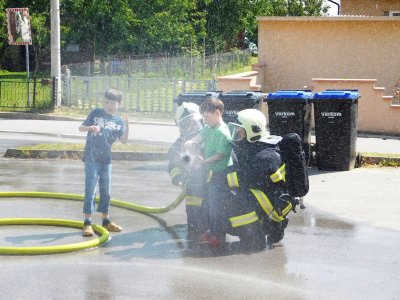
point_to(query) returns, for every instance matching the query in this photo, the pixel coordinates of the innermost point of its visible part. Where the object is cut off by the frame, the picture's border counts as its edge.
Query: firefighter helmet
(188, 119)
(250, 124)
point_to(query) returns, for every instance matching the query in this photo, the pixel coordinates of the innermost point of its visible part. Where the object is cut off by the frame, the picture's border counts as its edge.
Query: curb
(34, 116)
(379, 160)
(68, 154)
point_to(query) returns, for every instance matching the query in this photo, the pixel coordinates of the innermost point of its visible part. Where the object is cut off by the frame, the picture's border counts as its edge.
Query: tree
(168, 25)
(40, 38)
(3, 27)
(283, 8)
(229, 22)
(226, 23)
(39, 20)
(105, 26)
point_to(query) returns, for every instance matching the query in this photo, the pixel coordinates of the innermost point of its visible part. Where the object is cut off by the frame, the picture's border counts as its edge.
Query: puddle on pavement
(309, 222)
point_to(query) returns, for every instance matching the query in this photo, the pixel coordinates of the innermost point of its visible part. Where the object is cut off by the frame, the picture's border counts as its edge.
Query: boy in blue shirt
(103, 127)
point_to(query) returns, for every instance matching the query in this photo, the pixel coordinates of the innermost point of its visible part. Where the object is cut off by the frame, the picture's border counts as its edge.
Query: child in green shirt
(217, 156)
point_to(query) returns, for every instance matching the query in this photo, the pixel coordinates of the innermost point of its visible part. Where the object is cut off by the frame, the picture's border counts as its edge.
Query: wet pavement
(345, 245)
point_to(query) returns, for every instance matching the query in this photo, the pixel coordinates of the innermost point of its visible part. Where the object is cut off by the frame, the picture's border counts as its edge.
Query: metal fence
(140, 94)
(150, 83)
(79, 92)
(164, 66)
(23, 95)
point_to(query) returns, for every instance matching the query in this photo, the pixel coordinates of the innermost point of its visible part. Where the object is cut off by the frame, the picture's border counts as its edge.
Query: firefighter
(187, 173)
(257, 182)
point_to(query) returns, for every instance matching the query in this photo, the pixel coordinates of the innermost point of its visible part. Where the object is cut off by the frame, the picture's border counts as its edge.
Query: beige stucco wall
(368, 7)
(246, 81)
(293, 50)
(375, 111)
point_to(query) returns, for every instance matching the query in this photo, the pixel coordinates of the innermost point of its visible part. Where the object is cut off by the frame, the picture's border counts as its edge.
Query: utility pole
(55, 48)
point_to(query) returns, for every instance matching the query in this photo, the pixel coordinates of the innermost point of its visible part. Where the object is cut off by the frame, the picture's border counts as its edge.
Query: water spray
(191, 158)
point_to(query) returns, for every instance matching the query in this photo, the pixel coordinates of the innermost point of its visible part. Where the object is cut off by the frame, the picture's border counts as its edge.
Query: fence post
(34, 93)
(184, 86)
(214, 82)
(68, 91)
(53, 92)
(174, 83)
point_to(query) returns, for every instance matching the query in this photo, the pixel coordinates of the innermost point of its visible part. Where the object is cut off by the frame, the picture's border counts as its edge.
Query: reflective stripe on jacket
(233, 180)
(279, 175)
(268, 208)
(245, 219)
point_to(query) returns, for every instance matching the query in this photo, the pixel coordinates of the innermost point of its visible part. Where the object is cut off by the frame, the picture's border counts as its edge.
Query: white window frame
(394, 13)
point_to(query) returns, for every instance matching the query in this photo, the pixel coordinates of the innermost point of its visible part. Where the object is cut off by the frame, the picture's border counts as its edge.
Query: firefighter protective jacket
(261, 172)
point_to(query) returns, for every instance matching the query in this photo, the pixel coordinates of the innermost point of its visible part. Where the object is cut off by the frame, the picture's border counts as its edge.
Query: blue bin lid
(338, 94)
(296, 95)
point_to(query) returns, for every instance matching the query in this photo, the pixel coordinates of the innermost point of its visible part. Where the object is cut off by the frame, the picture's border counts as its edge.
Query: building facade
(370, 7)
(360, 47)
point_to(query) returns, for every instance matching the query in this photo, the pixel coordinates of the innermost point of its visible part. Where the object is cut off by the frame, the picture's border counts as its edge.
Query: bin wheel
(312, 156)
(358, 160)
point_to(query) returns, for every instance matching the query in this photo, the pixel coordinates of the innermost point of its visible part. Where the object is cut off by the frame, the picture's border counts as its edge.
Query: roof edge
(329, 18)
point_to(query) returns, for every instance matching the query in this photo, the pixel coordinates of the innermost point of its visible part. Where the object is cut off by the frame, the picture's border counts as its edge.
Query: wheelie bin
(233, 101)
(289, 111)
(238, 100)
(335, 113)
(195, 97)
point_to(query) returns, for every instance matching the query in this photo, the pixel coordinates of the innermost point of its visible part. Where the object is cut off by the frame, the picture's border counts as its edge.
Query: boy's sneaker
(87, 230)
(112, 227)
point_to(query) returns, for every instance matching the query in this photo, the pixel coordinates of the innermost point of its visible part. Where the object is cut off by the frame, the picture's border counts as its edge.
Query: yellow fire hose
(103, 233)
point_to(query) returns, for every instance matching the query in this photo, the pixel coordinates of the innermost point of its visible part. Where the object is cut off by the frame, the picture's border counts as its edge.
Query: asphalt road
(345, 245)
